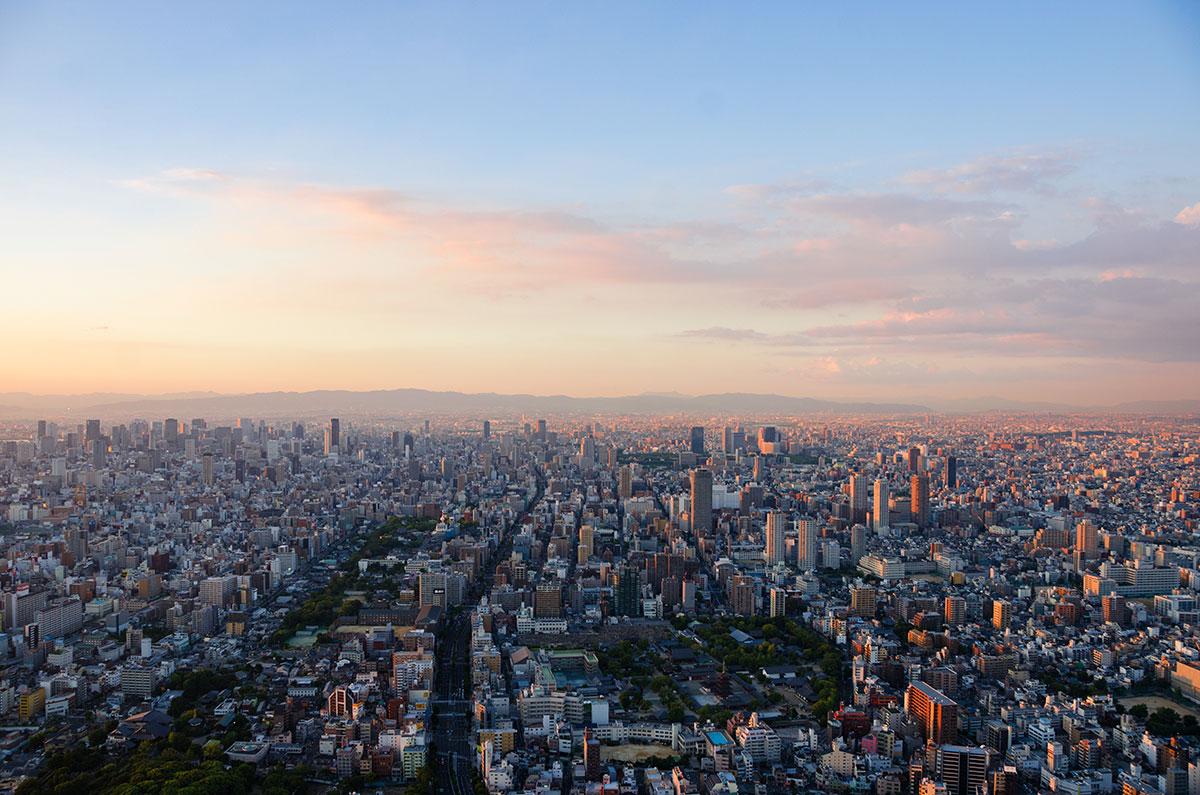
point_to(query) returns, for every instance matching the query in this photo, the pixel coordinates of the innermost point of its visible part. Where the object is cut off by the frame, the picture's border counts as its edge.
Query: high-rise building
(935, 713)
(627, 591)
(1115, 609)
(431, 588)
(335, 435)
(914, 459)
(625, 482)
(858, 543)
(727, 440)
(951, 472)
(768, 439)
(858, 498)
(776, 547)
(862, 602)
(541, 431)
(93, 431)
(741, 595)
(955, 610)
(964, 770)
(701, 501)
(920, 500)
(593, 766)
(777, 602)
(1087, 539)
(487, 429)
(882, 501)
(807, 544)
(1001, 614)
(217, 590)
(206, 469)
(831, 555)
(548, 601)
(697, 440)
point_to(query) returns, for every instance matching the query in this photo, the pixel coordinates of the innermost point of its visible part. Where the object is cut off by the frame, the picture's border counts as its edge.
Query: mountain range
(213, 405)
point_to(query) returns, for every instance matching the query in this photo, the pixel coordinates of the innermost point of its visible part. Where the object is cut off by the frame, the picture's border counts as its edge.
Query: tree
(1139, 711)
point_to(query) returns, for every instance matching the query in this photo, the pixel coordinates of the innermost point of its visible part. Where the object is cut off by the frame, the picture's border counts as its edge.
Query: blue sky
(627, 115)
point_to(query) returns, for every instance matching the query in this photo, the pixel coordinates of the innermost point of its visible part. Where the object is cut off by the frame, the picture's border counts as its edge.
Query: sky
(861, 201)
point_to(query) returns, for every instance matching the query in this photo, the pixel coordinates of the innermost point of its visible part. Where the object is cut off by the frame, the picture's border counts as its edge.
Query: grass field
(633, 753)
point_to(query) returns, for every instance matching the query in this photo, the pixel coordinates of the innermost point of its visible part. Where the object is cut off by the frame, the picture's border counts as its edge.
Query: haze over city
(949, 200)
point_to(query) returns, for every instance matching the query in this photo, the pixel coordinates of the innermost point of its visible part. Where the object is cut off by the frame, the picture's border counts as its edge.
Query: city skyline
(487, 200)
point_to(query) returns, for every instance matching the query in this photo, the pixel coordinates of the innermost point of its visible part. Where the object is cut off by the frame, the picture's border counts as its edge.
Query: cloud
(1022, 170)
(1189, 216)
(778, 190)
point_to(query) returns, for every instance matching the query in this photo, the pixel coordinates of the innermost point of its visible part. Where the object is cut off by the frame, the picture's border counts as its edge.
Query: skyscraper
(776, 539)
(627, 591)
(914, 459)
(858, 498)
(701, 502)
(335, 435)
(625, 482)
(951, 480)
(858, 543)
(882, 498)
(808, 544)
(934, 712)
(487, 429)
(697, 440)
(1087, 539)
(206, 469)
(920, 500)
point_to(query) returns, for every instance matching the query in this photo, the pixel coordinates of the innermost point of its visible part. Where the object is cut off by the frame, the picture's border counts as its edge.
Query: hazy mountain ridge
(187, 405)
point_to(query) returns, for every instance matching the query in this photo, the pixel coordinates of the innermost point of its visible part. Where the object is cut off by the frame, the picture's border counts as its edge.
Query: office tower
(625, 482)
(935, 713)
(858, 543)
(741, 595)
(858, 499)
(882, 500)
(171, 431)
(955, 610)
(627, 591)
(920, 500)
(487, 429)
(41, 429)
(1087, 539)
(701, 502)
(396, 440)
(335, 435)
(777, 605)
(93, 431)
(1001, 614)
(914, 459)
(862, 602)
(697, 440)
(410, 443)
(547, 601)
(329, 447)
(587, 449)
(963, 770)
(768, 438)
(807, 544)
(727, 440)
(951, 479)
(541, 431)
(206, 469)
(99, 453)
(776, 547)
